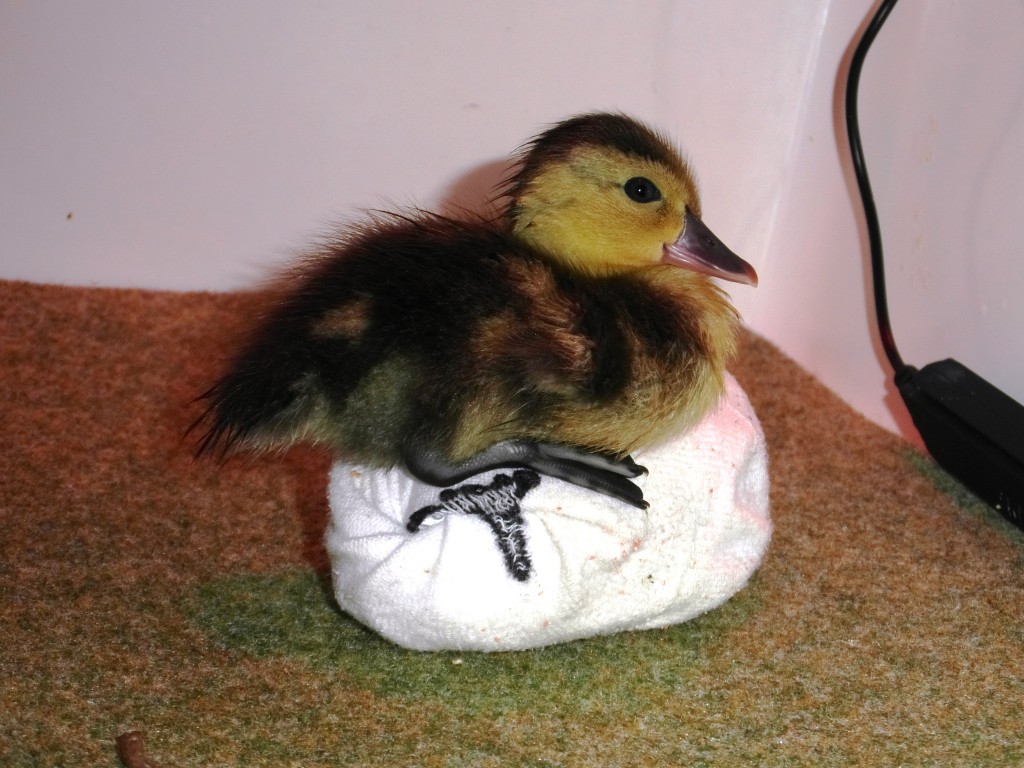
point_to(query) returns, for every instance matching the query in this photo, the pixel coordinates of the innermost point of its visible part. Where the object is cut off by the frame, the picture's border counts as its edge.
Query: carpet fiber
(142, 590)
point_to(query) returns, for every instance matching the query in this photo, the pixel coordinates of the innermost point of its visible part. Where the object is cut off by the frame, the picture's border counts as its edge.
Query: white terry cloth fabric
(498, 564)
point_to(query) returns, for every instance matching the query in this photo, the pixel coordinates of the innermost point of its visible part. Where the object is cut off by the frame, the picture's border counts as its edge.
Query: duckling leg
(594, 471)
(625, 466)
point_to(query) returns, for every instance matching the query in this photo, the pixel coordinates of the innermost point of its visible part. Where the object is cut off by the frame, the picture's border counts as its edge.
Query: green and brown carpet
(141, 590)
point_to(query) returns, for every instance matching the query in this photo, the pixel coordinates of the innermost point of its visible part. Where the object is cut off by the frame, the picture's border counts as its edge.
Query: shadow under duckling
(578, 327)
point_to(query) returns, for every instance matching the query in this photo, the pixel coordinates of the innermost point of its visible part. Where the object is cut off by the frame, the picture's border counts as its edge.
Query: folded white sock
(511, 560)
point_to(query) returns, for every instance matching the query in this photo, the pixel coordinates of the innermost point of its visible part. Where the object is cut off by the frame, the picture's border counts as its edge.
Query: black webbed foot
(594, 471)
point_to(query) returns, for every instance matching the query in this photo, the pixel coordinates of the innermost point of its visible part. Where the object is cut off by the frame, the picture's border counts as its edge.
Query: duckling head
(606, 195)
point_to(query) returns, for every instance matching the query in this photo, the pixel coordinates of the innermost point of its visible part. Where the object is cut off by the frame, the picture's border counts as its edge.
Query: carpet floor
(189, 600)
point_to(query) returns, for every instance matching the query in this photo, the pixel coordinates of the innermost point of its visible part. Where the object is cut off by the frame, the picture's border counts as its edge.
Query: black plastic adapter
(973, 430)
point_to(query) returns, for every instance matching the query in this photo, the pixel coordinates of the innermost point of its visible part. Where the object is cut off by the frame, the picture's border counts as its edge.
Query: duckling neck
(572, 248)
(703, 307)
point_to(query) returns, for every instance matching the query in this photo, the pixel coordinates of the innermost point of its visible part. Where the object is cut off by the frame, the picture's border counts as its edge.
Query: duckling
(576, 327)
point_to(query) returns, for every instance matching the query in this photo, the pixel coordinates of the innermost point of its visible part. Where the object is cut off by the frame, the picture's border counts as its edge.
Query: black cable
(868, 200)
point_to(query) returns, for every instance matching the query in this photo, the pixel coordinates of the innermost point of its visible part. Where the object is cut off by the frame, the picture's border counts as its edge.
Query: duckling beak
(699, 249)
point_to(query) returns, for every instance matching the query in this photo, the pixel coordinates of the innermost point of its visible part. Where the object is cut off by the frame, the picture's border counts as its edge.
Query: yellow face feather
(605, 195)
(577, 210)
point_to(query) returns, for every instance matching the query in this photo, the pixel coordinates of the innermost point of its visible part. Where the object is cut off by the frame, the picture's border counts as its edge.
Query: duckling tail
(263, 399)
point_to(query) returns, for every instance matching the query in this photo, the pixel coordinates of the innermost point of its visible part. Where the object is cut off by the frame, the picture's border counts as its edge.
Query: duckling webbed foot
(595, 471)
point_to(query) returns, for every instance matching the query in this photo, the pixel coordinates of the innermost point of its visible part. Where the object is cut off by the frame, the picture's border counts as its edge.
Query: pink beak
(699, 249)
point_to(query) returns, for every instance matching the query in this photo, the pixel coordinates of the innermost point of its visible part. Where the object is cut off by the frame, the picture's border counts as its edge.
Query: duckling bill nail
(498, 505)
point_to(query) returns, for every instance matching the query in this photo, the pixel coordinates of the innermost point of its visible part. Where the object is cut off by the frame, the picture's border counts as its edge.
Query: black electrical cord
(870, 212)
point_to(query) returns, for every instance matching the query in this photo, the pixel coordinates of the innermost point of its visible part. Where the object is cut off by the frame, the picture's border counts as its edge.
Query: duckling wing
(372, 339)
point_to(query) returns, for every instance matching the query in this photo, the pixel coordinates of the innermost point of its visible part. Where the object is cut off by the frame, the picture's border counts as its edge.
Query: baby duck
(577, 327)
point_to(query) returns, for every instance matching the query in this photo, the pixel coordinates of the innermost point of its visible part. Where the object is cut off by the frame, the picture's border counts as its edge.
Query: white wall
(942, 118)
(195, 144)
(948, 138)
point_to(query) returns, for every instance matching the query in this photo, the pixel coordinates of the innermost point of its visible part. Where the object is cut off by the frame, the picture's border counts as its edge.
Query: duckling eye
(641, 190)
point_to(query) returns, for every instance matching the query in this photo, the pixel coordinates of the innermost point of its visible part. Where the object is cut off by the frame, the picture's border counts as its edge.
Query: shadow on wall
(479, 191)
